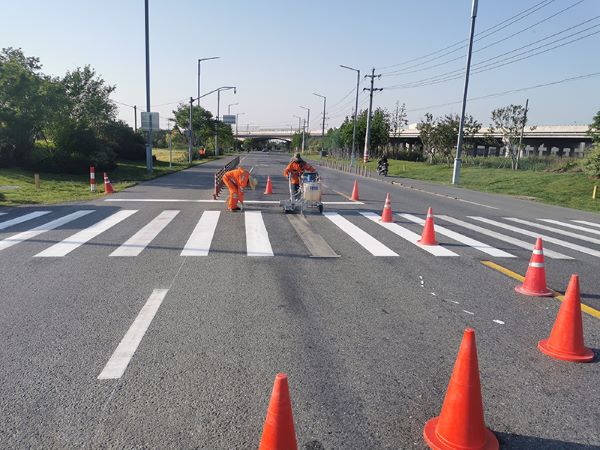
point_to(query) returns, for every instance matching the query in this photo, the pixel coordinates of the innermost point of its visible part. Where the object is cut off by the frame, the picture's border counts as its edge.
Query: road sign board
(229, 119)
(150, 121)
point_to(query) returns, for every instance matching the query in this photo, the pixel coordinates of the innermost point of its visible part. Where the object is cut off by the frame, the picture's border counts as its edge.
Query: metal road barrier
(219, 175)
(346, 167)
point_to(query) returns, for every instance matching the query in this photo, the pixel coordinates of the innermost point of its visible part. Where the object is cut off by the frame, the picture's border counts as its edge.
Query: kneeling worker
(236, 181)
(295, 169)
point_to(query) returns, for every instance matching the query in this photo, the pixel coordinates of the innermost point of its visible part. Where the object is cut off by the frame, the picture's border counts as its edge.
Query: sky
(278, 53)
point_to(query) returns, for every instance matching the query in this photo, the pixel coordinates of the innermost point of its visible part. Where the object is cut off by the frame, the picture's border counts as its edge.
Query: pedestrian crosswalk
(497, 237)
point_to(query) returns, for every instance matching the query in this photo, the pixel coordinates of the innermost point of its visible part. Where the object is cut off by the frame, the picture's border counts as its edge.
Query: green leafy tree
(380, 130)
(508, 121)
(594, 128)
(428, 134)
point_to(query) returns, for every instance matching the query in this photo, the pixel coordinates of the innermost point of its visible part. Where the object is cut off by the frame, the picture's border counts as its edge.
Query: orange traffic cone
(278, 431)
(428, 236)
(535, 278)
(354, 196)
(386, 215)
(566, 338)
(460, 424)
(108, 189)
(269, 188)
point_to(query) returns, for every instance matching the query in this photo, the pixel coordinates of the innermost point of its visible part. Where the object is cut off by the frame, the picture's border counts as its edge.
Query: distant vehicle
(382, 169)
(265, 149)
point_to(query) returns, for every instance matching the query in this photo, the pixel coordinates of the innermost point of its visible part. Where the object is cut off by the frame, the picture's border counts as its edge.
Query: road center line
(257, 236)
(140, 240)
(21, 219)
(118, 362)
(199, 242)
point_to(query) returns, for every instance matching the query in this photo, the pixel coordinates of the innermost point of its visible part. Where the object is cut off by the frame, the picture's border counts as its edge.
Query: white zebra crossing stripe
(199, 242)
(570, 225)
(2, 214)
(555, 230)
(533, 234)
(492, 251)
(436, 250)
(371, 244)
(501, 237)
(21, 219)
(25, 235)
(257, 237)
(78, 239)
(140, 240)
(585, 222)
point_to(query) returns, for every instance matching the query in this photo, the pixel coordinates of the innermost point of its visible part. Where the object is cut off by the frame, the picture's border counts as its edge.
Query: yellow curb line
(559, 296)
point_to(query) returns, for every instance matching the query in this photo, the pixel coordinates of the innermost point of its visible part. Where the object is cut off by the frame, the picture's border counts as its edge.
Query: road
(144, 320)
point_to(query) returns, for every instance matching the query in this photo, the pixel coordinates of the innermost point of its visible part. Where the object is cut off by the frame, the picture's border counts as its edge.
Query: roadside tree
(509, 121)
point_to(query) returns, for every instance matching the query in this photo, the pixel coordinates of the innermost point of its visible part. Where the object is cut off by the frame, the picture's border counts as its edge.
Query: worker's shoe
(236, 209)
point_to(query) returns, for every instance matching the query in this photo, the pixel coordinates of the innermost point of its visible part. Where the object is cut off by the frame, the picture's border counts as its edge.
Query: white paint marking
(25, 235)
(343, 203)
(140, 240)
(409, 236)
(180, 200)
(501, 237)
(585, 222)
(199, 242)
(570, 225)
(555, 230)
(21, 219)
(367, 241)
(118, 362)
(452, 301)
(462, 238)
(78, 239)
(498, 321)
(257, 237)
(546, 238)
(468, 312)
(433, 293)
(2, 214)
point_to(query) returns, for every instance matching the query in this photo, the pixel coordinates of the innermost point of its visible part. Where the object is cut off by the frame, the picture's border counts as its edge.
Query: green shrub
(591, 164)
(123, 141)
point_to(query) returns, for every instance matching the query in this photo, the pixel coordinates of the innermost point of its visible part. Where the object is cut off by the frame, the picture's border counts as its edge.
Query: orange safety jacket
(296, 169)
(239, 176)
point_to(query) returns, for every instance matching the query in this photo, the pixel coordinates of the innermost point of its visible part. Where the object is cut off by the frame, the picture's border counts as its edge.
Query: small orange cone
(428, 236)
(354, 196)
(278, 431)
(269, 188)
(108, 189)
(386, 215)
(535, 278)
(460, 424)
(566, 338)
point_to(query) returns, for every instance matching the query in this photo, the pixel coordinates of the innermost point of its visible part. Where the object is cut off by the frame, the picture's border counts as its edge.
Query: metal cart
(307, 196)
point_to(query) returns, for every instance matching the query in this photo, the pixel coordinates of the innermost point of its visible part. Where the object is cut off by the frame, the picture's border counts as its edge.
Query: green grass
(58, 188)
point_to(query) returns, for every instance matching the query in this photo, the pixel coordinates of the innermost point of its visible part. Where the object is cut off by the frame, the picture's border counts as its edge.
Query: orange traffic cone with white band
(278, 431)
(386, 215)
(428, 236)
(108, 189)
(269, 188)
(566, 339)
(354, 196)
(535, 278)
(460, 424)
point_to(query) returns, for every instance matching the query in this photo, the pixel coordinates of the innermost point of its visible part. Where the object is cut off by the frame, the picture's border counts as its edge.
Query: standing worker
(236, 180)
(294, 171)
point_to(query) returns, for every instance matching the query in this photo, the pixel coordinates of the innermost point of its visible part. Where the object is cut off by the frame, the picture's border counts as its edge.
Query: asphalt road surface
(154, 318)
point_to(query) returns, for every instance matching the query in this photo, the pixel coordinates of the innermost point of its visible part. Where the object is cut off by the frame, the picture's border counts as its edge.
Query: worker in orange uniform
(294, 171)
(236, 181)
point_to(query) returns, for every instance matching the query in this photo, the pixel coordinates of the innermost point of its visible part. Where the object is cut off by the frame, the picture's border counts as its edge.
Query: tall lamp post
(149, 132)
(299, 122)
(324, 112)
(353, 157)
(229, 107)
(224, 88)
(306, 125)
(199, 96)
(237, 117)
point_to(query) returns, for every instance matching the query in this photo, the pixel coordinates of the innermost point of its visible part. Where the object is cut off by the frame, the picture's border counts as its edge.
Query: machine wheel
(320, 209)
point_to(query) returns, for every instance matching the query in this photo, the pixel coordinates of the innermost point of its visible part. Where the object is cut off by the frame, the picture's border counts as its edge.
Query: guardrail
(346, 167)
(219, 175)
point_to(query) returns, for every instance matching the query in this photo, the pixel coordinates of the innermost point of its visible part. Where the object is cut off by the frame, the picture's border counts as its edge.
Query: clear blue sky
(279, 52)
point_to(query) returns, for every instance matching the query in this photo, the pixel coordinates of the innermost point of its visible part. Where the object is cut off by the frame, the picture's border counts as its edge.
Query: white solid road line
(371, 244)
(477, 245)
(199, 242)
(555, 230)
(140, 240)
(25, 235)
(180, 200)
(585, 222)
(257, 237)
(404, 233)
(570, 225)
(118, 362)
(2, 214)
(21, 219)
(501, 237)
(533, 234)
(71, 243)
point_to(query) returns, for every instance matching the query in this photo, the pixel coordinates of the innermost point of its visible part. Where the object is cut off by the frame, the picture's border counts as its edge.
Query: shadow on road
(516, 441)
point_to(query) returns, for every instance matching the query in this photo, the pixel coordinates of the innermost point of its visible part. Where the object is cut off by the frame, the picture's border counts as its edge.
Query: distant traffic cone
(535, 278)
(269, 188)
(108, 189)
(354, 196)
(386, 215)
(428, 236)
(278, 431)
(460, 424)
(566, 338)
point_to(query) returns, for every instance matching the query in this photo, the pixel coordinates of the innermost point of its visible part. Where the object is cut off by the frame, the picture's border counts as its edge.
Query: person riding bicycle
(295, 169)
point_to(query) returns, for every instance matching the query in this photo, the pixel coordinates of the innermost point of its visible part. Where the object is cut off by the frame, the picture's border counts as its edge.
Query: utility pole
(303, 132)
(305, 128)
(190, 133)
(368, 134)
(299, 122)
(353, 156)
(135, 118)
(149, 133)
(457, 160)
(522, 131)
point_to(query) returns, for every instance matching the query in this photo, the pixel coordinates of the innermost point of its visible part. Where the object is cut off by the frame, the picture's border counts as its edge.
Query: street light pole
(199, 61)
(353, 156)
(149, 132)
(305, 128)
(190, 133)
(224, 88)
(299, 122)
(457, 160)
(229, 107)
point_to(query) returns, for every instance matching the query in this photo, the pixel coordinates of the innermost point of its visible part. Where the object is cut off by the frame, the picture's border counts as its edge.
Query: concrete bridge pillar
(554, 151)
(541, 150)
(566, 152)
(579, 151)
